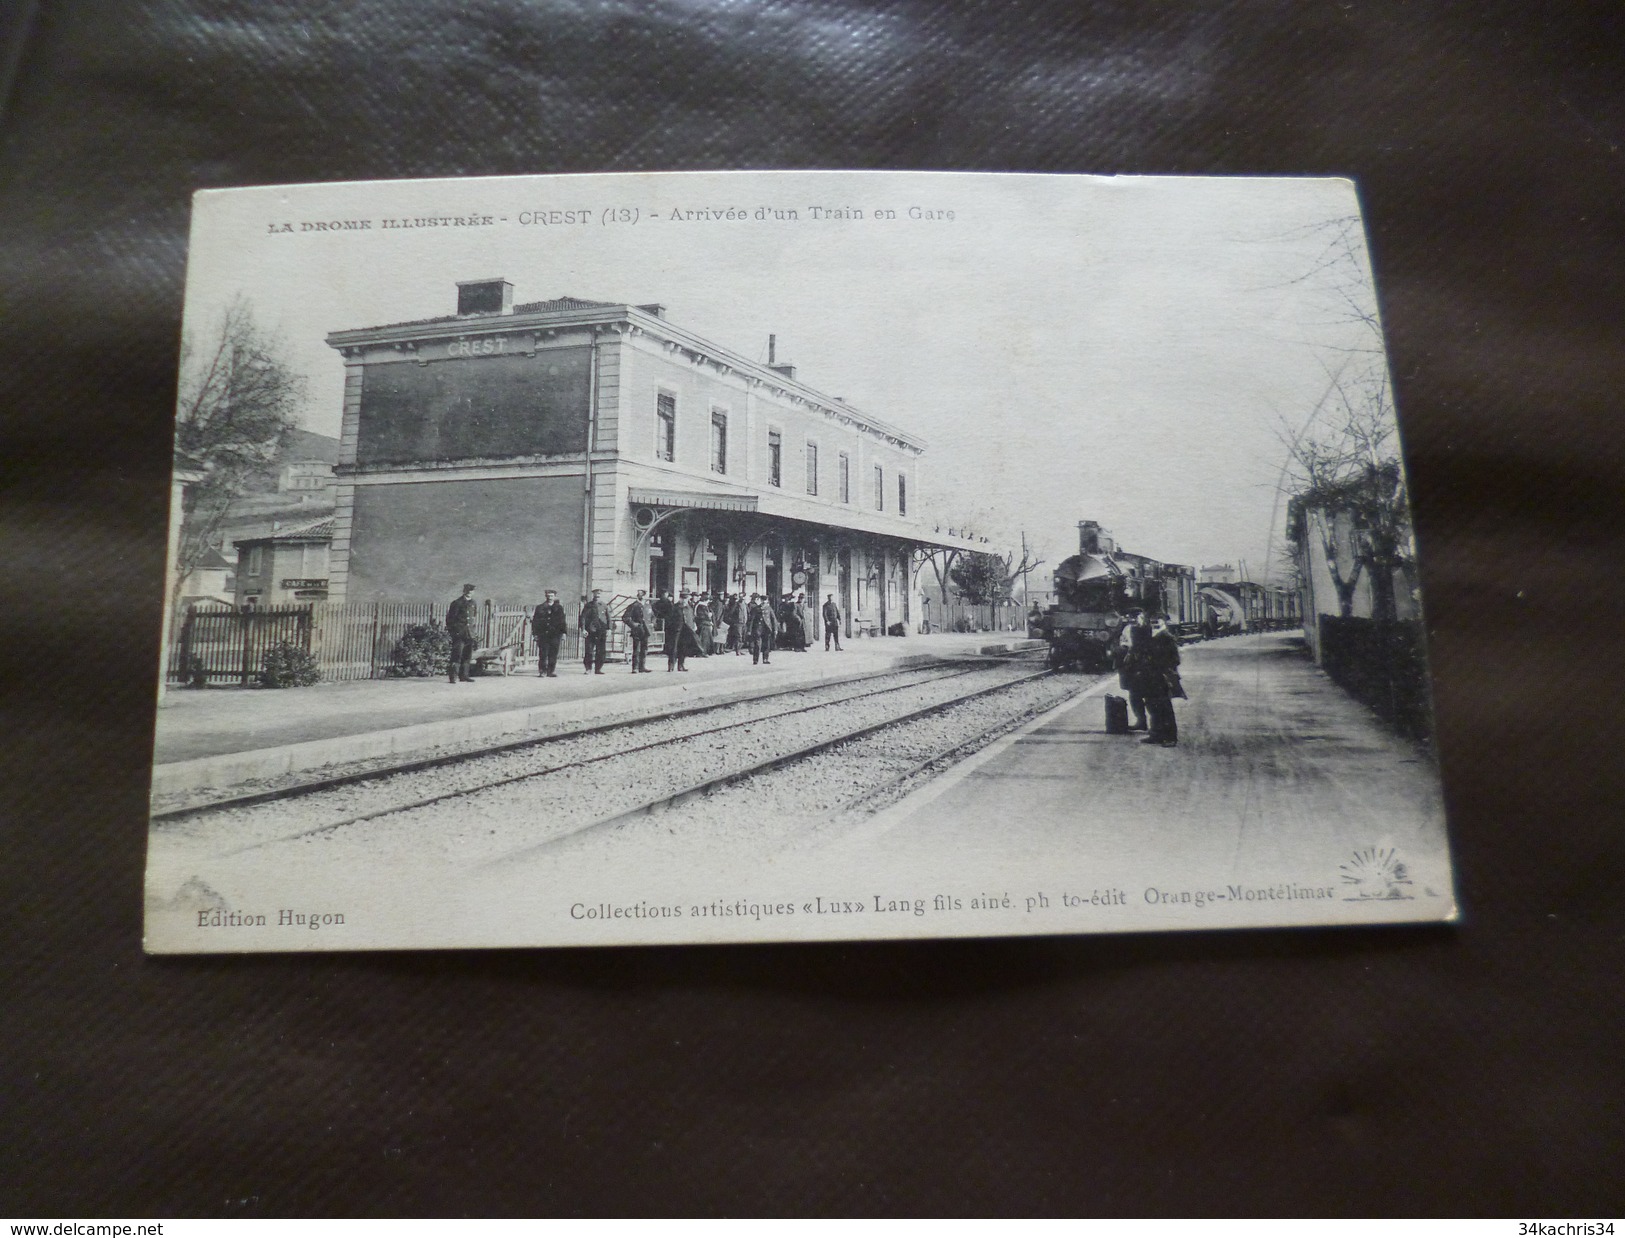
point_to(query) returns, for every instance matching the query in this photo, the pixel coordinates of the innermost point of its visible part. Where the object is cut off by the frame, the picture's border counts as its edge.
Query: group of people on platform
(694, 625)
(1147, 659)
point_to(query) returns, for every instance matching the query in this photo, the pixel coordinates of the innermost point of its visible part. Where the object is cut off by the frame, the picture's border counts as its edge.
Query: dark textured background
(1475, 1070)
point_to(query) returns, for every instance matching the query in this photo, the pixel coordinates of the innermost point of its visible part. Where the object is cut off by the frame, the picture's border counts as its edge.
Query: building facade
(580, 445)
(287, 568)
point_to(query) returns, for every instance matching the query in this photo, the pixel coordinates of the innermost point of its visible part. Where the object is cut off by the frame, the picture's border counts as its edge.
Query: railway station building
(579, 445)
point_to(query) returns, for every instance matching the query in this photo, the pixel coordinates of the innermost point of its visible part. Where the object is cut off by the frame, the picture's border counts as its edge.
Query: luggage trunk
(1116, 715)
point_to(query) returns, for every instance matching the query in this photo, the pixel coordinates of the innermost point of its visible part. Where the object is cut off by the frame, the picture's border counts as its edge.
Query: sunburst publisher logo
(1375, 873)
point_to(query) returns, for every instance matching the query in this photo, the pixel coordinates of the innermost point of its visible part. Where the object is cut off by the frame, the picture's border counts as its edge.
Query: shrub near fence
(354, 640)
(222, 644)
(1382, 665)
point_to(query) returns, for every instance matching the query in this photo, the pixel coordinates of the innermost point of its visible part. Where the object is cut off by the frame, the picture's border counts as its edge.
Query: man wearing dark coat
(1125, 672)
(461, 617)
(547, 625)
(687, 634)
(761, 626)
(832, 623)
(636, 618)
(733, 614)
(662, 609)
(1153, 661)
(595, 631)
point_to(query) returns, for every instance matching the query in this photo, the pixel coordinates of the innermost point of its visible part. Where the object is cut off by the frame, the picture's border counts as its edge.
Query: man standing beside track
(733, 614)
(595, 631)
(1122, 660)
(832, 623)
(460, 618)
(761, 627)
(1152, 665)
(547, 623)
(636, 618)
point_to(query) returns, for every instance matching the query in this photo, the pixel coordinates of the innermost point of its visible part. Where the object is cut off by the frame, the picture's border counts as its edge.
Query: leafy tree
(977, 583)
(239, 396)
(978, 577)
(986, 577)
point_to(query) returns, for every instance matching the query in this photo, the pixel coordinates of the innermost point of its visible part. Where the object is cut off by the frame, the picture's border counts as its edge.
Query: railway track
(736, 712)
(708, 786)
(532, 796)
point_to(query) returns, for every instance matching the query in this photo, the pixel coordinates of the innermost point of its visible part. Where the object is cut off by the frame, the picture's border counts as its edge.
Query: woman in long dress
(703, 627)
(795, 633)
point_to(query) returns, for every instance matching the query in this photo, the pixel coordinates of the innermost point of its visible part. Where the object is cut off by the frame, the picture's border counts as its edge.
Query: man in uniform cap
(460, 619)
(832, 623)
(548, 624)
(595, 631)
(636, 618)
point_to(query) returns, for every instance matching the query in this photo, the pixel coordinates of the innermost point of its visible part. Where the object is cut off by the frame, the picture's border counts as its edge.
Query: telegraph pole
(1026, 602)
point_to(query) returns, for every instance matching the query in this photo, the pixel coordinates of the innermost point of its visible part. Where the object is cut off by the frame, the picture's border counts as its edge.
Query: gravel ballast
(556, 795)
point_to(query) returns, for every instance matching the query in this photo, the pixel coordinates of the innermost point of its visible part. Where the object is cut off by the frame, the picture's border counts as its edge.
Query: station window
(254, 560)
(719, 442)
(902, 494)
(775, 458)
(812, 467)
(665, 427)
(843, 467)
(880, 489)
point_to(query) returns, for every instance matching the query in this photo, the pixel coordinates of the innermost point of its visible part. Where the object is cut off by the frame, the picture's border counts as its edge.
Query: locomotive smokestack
(1089, 537)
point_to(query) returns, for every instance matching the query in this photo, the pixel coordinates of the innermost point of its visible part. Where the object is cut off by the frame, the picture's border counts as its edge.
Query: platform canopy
(644, 497)
(822, 515)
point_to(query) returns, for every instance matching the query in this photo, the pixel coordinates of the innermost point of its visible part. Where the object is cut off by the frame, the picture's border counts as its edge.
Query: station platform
(1275, 765)
(226, 737)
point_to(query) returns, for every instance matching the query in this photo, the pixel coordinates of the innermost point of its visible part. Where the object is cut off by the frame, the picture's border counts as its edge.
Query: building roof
(316, 531)
(213, 561)
(560, 303)
(555, 306)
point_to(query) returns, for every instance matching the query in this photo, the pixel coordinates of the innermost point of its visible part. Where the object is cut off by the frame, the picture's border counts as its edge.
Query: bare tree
(238, 398)
(1344, 468)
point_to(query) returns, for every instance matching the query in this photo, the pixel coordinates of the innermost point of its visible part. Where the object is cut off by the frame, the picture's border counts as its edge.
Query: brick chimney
(484, 296)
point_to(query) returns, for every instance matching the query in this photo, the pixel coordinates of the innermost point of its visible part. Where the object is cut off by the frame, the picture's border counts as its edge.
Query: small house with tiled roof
(286, 567)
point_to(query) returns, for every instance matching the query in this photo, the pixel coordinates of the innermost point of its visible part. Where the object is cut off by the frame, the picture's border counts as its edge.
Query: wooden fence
(964, 617)
(224, 644)
(349, 640)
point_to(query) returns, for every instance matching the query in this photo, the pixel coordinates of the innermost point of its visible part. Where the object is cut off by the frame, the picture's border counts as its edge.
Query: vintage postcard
(703, 557)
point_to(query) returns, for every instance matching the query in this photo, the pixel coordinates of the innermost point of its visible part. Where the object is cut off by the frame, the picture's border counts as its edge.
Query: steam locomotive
(1095, 588)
